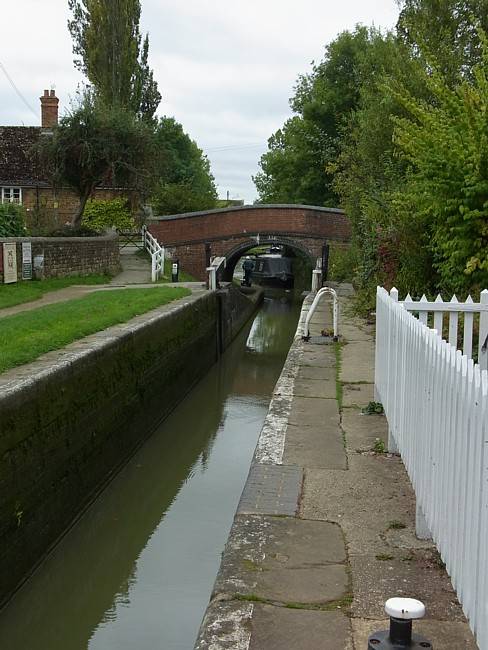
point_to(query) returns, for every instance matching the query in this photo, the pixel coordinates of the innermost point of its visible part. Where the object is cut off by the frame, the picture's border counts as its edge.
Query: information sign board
(9, 262)
(26, 260)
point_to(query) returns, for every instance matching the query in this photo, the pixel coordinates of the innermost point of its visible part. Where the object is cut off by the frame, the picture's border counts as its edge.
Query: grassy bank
(20, 292)
(25, 336)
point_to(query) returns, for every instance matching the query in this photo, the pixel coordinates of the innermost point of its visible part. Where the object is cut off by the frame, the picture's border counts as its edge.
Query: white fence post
(483, 339)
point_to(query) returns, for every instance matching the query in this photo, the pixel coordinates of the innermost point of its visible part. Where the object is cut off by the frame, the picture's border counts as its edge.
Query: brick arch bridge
(194, 237)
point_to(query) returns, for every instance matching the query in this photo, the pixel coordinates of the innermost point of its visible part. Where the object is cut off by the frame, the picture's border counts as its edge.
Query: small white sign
(26, 260)
(9, 263)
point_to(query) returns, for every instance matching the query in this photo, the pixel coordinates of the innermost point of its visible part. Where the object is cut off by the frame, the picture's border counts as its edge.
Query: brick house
(22, 179)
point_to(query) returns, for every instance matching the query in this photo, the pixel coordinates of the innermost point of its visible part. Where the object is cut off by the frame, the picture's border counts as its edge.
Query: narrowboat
(273, 271)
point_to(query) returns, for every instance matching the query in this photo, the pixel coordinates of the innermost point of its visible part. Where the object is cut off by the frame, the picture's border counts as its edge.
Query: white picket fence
(436, 402)
(453, 308)
(156, 251)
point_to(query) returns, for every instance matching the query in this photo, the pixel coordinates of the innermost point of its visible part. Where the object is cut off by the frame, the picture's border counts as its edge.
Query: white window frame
(11, 195)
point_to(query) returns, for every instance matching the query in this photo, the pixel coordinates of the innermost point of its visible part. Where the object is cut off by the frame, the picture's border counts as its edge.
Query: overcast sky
(225, 69)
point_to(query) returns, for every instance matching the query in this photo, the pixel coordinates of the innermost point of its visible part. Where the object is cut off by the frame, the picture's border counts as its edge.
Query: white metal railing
(325, 291)
(453, 308)
(156, 251)
(215, 265)
(436, 402)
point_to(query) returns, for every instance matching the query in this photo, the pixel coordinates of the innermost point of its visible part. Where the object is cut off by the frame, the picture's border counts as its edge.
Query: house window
(11, 195)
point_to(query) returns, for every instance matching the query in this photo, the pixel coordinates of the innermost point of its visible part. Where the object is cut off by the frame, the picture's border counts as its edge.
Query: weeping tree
(95, 145)
(113, 55)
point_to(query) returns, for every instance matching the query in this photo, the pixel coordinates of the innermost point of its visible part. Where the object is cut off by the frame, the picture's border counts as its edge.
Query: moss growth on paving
(25, 336)
(339, 387)
(342, 603)
(29, 290)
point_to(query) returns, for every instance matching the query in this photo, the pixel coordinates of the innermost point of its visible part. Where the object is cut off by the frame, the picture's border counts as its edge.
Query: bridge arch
(196, 236)
(235, 253)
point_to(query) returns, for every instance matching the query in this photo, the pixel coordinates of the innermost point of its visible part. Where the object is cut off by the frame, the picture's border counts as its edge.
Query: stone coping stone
(283, 559)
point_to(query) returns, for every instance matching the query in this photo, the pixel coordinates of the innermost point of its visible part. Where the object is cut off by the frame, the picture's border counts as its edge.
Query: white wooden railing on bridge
(436, 402)
(156, 251)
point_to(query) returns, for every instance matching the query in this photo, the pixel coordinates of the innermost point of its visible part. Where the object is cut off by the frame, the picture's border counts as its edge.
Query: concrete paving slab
(315, 388)
(352, 330)
(364, 500)
(361, 431)
(279, 628)
(327, 373)
(375, 581)
(314, 411)
(359, 395)
(442, 634)
(284, 559)
(314, 446)
(357, 363)
(308, 585)
(318, 355)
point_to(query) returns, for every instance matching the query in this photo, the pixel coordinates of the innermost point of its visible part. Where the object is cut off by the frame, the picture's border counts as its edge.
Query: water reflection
(137, 569)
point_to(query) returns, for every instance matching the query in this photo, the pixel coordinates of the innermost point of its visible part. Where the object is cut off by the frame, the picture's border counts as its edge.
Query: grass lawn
(25, 336)
(28, 290)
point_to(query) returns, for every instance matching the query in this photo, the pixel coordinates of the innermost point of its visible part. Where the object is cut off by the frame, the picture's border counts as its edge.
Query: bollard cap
(405, 608)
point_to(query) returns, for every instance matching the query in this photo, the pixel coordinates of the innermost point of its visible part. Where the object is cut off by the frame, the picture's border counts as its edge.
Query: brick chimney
(49, 109)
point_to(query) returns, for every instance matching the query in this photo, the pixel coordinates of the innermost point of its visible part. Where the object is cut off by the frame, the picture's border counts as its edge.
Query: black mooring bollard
(402, 611)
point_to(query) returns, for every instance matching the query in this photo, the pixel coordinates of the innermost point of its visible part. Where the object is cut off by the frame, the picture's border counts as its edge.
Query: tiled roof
(18, 161)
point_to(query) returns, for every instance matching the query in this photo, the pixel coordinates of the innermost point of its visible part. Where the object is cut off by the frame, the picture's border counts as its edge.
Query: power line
(11, 81)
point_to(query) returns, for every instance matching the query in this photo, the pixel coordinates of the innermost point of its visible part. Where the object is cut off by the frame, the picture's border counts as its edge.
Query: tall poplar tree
(113, 55)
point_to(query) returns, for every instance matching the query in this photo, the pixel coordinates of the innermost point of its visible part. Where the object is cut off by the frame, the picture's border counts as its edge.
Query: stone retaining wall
(70, 419)
(64, 256)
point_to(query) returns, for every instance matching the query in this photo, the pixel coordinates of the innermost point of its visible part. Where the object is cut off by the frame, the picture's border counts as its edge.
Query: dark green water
(136, 571)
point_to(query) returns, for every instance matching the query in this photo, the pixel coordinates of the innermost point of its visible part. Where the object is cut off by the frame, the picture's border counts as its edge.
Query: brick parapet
(321, 222)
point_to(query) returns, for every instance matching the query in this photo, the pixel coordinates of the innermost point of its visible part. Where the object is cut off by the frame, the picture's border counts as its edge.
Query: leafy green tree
(446, 29)
(295, 169)
(94, 145)
(185, 182)
(446, 146)
(113, 55)
(391, 247)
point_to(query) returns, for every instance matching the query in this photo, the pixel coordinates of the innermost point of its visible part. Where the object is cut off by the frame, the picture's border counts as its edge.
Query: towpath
(325, 529)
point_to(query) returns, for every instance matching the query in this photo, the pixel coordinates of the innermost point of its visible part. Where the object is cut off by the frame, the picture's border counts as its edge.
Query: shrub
(100, 215)
(342, 263)
(12, 220)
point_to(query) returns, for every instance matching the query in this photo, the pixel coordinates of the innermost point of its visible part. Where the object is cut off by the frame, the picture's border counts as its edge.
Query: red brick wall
(56, 207)
(225, 230)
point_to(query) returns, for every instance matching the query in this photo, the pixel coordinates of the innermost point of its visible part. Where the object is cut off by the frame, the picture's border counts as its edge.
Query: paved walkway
(324, 533)
(136, 268)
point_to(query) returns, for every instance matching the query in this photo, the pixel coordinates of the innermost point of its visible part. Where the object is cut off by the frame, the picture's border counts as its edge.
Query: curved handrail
(335, 310)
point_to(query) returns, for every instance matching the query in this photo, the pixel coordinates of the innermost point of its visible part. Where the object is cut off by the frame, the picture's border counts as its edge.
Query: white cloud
(225, 69)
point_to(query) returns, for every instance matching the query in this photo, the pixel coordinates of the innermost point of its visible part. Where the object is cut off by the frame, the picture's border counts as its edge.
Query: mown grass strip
(28, 290)
(25, 336)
